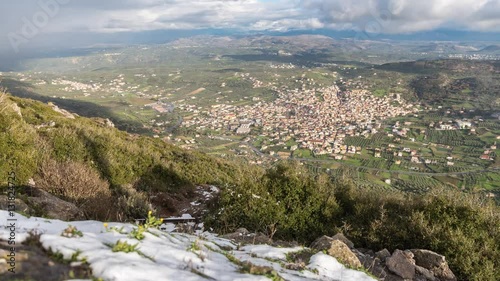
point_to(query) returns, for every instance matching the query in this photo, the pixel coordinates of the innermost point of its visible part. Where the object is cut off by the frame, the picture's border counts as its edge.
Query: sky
(29, 24)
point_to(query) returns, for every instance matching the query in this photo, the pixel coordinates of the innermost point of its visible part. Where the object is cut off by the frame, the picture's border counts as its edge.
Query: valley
(389, 125)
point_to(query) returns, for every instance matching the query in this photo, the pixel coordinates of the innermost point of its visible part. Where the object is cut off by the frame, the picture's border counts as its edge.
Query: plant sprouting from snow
(151, 222)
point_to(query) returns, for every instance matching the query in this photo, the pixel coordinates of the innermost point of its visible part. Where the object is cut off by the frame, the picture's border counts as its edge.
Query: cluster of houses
(317, 119)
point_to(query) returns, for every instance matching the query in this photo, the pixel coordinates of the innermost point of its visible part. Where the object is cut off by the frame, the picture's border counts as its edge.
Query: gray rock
(435, 263)
(383, 254)
(372, 264)
(424, 274)
(324, 242)
(19, 205)
(242, 231)
(400, 265)
(341, 237)
(321, 244)
(53, 207)
(393, 277)
(428, 259)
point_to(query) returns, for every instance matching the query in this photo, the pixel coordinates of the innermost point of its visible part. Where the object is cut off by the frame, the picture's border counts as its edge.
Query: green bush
(286, 201)
(463, 227)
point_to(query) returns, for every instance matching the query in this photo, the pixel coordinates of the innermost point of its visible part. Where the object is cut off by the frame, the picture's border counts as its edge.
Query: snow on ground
(165, 255)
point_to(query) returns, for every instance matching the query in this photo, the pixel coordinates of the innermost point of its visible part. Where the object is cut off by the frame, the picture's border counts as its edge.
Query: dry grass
(79, 184)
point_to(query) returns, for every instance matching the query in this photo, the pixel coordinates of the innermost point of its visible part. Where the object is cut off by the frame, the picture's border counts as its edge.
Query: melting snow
(164, 255)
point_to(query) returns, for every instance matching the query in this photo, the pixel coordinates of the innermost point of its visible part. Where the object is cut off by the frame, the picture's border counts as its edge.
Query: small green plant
(115, 229)
(138, 233)
(74, 256)
(151, 222)
(71, 232)
(123, 246)
(195, 246)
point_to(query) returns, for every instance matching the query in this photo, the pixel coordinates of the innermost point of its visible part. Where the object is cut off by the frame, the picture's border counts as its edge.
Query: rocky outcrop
(64, 112)
(17, 206)
(324, 242)
(53, 207)
(415, 264)
(401, 265)
(435, 263)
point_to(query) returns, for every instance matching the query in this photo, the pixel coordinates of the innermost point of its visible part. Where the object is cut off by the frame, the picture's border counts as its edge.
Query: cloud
(23, 23)
(406, 16)
(391, 16)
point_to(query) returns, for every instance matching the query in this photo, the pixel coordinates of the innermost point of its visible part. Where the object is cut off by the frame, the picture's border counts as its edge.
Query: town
(317, 119)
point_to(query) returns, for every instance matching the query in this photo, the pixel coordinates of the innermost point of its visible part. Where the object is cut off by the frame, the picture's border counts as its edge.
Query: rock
(343, 254)
(434, 262)
(64, 112)
(341, 237)
(242, 231)
(409, 255)
(31, 182)
(109, 123)
(242, 235)
(393, 277)
(238, 233)
(55, 208)
(424, 274)
(372, 264)
(16, 109)
(322, 243)
(19, 205)
(400, 265)
(383, 254)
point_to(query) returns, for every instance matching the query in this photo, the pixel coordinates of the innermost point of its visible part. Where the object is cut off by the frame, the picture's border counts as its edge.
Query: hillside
(111, 175)
(86, 162)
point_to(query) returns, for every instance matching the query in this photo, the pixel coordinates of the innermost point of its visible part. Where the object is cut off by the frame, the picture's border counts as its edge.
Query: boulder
(401, 265)
(343, 254)
(424, 274)
(53, 207)
(321, 244)
(435, 263)
(341, 237)
(324, 242)
(19, 205)
(393, 277)
(372, 264)
(383, 254)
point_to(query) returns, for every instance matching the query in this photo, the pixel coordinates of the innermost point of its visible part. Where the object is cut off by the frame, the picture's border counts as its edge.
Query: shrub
(77, 183)
(286, 201)
(463, 227)
(132, 203)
